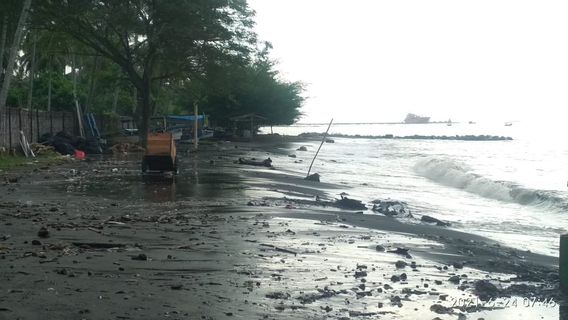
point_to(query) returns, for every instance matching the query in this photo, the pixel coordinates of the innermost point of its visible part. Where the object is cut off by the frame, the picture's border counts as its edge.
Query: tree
(230, 88)
(153, 40)
(13, 56)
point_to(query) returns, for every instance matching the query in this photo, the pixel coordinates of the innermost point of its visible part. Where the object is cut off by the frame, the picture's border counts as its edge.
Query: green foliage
(234, 89)
(148, 57)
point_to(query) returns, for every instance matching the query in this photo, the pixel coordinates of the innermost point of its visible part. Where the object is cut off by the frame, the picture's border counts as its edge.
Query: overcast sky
(374, 61)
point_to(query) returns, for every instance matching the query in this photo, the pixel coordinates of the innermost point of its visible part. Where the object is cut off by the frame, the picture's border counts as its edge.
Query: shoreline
(201, 239)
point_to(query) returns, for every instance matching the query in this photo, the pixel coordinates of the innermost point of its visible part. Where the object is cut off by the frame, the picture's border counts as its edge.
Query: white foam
(457, 175)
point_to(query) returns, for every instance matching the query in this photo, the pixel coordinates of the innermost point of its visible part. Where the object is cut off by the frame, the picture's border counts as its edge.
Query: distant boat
(412, 118)
(471, 122)
(508, 124)
(449, 124)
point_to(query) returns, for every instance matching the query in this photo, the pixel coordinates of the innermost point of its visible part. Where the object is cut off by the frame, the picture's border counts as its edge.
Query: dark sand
(121, 246)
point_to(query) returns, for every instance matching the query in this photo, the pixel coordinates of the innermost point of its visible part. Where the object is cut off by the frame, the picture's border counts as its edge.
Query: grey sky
(371, 60)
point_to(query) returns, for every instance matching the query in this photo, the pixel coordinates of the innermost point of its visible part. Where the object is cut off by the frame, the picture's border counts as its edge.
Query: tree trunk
(49, 84)
(13, 55)
(92, 84)
(3, 43)
(32, 74)
(144, 108)
(115, 97)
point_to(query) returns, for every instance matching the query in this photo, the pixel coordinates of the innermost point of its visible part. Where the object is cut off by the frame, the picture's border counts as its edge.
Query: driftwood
(263, 163)
(26, 146)
(350, 204)
(278, 248)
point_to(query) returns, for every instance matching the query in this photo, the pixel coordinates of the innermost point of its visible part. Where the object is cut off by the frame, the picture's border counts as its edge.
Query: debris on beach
(438, 222)
(313, 177)
(257, 203)
(486, 290)
(140, 257)
(43, 232)
(390, 207)
(253, 162)
(454, 279)
(401, 251)
(350, 204)
(302, 148)
(192, 247)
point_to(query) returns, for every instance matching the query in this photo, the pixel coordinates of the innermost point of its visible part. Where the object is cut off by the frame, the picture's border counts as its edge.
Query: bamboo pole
(321, 144)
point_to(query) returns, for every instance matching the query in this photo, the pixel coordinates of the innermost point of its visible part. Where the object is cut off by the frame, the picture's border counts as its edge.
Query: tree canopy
(148, 57)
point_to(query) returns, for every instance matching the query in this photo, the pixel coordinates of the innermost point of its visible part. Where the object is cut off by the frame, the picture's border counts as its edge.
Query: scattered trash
(140, 257)
(389, 207)
(43, 233)
(79, 155)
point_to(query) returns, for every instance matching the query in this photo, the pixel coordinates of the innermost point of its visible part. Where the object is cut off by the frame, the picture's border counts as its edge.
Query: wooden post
(563, 270)
(195, 123)
(251, 126)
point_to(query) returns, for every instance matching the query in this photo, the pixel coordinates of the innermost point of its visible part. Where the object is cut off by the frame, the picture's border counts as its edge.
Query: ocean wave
(458, 175)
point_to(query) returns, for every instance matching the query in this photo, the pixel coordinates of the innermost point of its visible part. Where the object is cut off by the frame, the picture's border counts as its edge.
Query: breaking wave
(453, 174)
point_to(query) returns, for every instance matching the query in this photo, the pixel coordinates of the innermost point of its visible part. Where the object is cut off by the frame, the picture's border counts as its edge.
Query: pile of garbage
(68, 144)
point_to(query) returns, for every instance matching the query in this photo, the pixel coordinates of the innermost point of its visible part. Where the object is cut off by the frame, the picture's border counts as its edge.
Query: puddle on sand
(157, 188)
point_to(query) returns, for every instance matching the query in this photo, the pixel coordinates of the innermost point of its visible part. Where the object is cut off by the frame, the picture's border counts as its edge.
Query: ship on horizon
(413, 118)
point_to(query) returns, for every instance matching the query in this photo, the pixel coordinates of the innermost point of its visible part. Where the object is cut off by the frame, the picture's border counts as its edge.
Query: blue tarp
(186, 118)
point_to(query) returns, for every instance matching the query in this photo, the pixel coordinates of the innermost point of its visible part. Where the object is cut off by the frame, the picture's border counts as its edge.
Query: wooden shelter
(253, 119)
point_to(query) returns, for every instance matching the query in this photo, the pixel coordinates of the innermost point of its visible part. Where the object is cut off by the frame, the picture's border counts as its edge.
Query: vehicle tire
(144, 166)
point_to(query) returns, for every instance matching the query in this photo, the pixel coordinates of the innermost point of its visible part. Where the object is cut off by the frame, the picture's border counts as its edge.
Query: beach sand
(224, 240)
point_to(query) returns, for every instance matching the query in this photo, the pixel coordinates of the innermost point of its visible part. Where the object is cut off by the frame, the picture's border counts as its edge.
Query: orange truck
(160, 153)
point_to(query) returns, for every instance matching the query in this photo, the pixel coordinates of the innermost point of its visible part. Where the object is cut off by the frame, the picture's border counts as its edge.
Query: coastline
(124, 247)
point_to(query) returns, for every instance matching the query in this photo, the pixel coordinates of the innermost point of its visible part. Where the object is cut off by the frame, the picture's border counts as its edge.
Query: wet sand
(223, 241)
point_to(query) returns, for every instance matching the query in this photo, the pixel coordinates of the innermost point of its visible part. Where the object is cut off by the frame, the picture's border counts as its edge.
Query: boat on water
(508, 124)
(413, 118)
(449, 123)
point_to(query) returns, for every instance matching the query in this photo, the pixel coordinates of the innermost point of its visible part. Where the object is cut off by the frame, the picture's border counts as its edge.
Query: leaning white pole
(321, 144)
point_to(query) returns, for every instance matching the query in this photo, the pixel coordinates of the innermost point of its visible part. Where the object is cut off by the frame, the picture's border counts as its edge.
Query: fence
(35, 123)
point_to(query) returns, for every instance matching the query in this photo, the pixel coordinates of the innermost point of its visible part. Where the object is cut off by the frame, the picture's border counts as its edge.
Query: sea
(515, 192)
